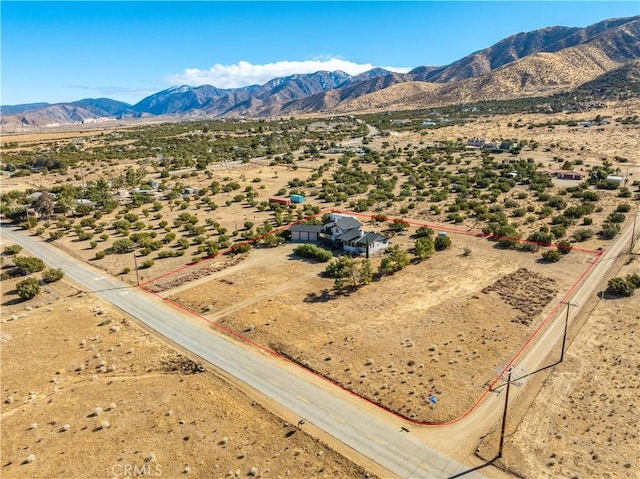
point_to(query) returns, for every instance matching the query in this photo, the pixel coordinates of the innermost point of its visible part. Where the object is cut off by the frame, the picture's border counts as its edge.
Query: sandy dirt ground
(86, 393)
(583, 423)
(439, 327)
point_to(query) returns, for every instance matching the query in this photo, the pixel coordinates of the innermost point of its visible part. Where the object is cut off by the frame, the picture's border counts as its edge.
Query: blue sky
(65, 51)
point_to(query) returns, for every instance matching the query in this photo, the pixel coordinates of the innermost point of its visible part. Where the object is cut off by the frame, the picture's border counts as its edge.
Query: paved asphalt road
(373, 437)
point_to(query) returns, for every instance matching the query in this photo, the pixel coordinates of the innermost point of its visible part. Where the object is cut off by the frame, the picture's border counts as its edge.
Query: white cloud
(245, 73)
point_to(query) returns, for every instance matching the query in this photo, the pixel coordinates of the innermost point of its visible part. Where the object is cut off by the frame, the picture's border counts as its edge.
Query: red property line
(231, 248)
(527, 342)
(479, 234)
(272, 353)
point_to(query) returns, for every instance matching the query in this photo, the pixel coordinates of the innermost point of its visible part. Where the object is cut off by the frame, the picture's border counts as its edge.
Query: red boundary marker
(438, 227)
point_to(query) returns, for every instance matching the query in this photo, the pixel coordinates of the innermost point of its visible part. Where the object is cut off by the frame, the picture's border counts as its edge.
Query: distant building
(564, 174)
(280, 201)
(83, 201)
(38, 194)
(508, 145)
(142, 191)
(122, 195)
(190, 191)
(477, 142)
(617, 180)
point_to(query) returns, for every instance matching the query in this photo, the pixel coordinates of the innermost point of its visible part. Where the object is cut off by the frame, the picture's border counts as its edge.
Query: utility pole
(504, 414)
(633, 234)
(135, 262)
(566, 325)
(508, 381)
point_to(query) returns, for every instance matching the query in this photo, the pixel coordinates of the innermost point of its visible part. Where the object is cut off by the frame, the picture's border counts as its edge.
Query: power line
(566, 325)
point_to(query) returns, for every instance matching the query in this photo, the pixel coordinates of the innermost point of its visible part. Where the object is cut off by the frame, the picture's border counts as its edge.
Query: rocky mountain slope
(552, 59)
(539, 73)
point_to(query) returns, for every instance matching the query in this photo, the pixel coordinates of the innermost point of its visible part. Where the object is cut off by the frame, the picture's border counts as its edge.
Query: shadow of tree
(12, 301)
(322, 297)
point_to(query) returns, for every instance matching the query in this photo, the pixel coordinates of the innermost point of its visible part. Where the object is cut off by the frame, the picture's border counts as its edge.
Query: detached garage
(305, 233)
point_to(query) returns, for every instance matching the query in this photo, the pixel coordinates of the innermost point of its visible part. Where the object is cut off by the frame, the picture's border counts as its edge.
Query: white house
(366, 241)
(343, 231)
(338, 225)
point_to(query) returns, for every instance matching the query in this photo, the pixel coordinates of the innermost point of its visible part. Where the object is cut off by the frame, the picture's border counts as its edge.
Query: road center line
(337, 418)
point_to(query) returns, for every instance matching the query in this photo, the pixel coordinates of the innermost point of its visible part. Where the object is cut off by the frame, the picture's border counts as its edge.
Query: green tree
(240, 248)
(349, 272)
(399, 257)
(424, 247)
(212, 248)
(564, 246)
(386, 266)
(551, 255)
(122, 245)
(264, 228)
(83, 209)
(29, 223)
(365, 273)
(44, 204)
(620, 287)
(272, 240)
(52, 274)
(424, 231)
(13, 249)
(28, 265)
(28, 288)
(442, 242)
(340, 267)
(398, 225)
(609, 230)
(634, 279)
(312, 251)
(582, 234)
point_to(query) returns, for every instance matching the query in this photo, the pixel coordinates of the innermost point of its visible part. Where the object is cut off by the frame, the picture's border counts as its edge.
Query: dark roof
(307, 228)
(349, 235)
(347, 222)
(371, 238)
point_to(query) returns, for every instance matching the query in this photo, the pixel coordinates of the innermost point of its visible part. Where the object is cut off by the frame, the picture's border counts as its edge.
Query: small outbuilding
(280, 200)
(617, 180)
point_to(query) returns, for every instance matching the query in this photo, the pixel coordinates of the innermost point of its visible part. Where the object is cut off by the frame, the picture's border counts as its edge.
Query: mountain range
(540, 62)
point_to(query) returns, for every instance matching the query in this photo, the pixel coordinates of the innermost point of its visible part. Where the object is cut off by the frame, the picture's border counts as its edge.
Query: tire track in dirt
(255, 299)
